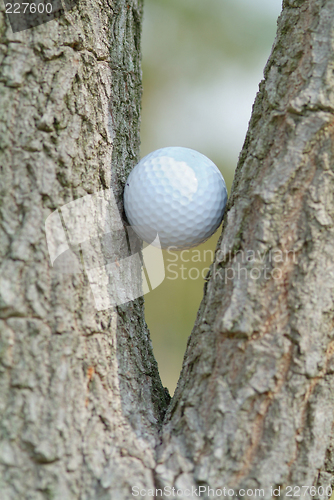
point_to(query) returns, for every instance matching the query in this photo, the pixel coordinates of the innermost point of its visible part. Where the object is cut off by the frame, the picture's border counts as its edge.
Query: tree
(80, 393)
(81, 399)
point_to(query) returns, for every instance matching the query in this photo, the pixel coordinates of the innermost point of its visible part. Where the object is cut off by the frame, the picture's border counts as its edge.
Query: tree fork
(81, 399)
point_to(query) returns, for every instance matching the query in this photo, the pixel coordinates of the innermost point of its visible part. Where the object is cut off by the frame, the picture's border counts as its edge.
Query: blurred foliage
(187, 38)
(171, 308)
(191, 47)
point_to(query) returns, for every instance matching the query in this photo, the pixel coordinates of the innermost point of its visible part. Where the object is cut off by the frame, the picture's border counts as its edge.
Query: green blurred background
(202, 63)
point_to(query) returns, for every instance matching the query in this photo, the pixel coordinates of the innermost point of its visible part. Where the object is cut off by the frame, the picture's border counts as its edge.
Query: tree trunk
(81, 399)
(255, 401)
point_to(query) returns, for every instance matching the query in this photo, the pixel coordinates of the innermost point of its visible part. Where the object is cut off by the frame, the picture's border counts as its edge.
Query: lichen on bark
(81, 398)
(81, 401)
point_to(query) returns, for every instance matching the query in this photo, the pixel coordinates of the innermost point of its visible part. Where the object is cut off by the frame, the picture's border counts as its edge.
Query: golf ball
(176, 193)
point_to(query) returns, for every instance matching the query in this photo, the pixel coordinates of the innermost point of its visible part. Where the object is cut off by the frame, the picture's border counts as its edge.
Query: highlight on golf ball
(176, 193)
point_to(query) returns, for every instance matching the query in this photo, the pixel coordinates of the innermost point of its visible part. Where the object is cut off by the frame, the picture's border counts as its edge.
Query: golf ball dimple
(176, 193)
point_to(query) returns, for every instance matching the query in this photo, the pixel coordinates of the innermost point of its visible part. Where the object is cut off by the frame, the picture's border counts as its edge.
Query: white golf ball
(176, 193)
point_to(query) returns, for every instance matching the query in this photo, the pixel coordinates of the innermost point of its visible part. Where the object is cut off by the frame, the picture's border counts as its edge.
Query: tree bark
(254, 403)
(81, 399)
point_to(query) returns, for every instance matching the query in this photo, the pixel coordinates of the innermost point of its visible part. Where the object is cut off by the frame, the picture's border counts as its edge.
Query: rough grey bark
(254, 404)
(80, 394)
(81, 400)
